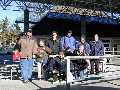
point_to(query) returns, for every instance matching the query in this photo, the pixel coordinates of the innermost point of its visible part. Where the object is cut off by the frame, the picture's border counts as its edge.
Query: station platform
(109, 80)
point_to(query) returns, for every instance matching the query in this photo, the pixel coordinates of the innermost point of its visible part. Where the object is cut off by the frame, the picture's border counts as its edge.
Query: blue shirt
(68, 43)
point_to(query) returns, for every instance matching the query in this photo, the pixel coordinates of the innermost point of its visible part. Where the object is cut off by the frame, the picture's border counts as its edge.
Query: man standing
(97, 49)
(27, 50)
(68, 43)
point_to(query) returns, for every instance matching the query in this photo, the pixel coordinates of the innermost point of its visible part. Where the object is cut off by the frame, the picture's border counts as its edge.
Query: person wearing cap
(27, 48)
(68, 43)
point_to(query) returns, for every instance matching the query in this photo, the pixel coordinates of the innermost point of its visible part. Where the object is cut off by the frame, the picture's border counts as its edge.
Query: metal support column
(26, 20)
(83, 25)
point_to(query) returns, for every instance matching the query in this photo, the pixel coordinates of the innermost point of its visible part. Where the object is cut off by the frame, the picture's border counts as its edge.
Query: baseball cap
(70, 31)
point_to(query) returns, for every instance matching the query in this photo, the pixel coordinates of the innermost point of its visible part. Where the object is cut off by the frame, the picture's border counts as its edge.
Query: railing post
(113, 51)
(11, 73)
(68, 72)
(104, 50)
(39, 66)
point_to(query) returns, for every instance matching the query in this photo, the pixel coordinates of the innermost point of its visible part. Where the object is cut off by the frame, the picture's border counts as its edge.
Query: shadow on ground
(83, 86)
(78, 87)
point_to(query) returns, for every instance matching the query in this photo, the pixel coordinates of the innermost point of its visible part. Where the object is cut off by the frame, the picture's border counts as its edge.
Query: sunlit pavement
(110, 80)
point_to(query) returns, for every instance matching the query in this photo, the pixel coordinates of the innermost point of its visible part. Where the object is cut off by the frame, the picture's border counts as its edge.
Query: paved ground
(105, 81)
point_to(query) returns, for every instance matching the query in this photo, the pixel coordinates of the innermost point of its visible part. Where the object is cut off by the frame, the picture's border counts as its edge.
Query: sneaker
(25, 81)
(30, 80)
(50, 79)
(91, 72)
(97, 73)
(55, 71)
(55, 77)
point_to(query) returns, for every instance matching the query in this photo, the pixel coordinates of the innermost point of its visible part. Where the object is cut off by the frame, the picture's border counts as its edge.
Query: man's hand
(61, 55)
(34, 56)
(43, 48)
(70, 50)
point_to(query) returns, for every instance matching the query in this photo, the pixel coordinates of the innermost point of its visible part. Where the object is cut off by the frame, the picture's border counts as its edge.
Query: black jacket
(54, 45)
(97, 48)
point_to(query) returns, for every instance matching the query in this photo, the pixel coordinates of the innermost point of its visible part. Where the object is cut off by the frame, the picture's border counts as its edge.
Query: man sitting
(81, 64)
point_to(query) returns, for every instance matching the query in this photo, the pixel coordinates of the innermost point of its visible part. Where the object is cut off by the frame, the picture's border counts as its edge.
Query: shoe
(55, 71)
(50, 79)
(55, 77)
(30, 80)
(97, 73)
(25, 81)
(38, 78)
(91, 72)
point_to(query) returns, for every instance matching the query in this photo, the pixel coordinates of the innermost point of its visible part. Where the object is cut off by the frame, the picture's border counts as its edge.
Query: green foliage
(17, 28)
(5, 24)
(8, 33)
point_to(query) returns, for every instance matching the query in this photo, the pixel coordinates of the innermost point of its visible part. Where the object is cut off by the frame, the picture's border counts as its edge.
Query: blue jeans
(26, 66)
(83, 74)
(45, 61)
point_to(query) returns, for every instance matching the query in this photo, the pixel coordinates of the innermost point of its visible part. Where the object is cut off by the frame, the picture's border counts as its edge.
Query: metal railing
(70, 58)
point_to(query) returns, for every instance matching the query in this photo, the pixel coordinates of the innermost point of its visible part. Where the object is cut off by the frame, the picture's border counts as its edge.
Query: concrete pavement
(110, 80)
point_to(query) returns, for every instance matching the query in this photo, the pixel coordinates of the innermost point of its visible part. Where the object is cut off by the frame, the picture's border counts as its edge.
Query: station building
(62, 19)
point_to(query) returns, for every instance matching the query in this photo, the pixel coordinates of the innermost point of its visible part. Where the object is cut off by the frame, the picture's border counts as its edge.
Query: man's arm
(87, 49)
(48, 50)
(62, 43)
(35, 46)
(101, 51)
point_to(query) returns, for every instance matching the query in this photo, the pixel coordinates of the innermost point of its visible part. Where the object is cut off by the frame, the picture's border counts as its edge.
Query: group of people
(31, 49)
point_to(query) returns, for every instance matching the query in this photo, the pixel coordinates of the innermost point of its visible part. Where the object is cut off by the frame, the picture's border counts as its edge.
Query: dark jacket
(53, 45)
(27, 47)
(97, 48)
(42, 53)
(87, 48)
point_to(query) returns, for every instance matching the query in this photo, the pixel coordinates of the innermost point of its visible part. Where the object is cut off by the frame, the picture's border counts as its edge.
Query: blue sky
(10, 14)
